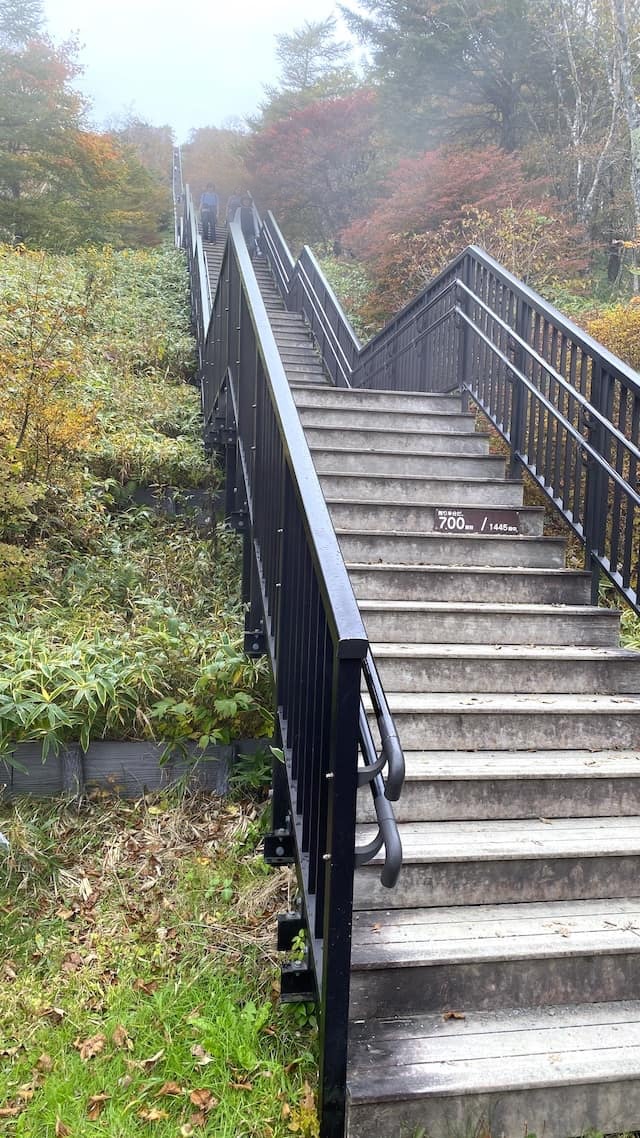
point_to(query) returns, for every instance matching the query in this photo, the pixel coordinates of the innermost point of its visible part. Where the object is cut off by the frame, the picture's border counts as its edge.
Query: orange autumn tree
(61, 184)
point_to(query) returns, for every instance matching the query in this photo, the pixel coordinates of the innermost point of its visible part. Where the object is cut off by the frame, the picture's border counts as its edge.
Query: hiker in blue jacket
(209, 203)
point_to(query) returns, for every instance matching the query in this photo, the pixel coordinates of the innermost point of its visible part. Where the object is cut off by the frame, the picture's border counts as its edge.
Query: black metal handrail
(201, 300)
(301, 609)
(568, 407)
(177, 188)
(278, 254)
(311, 294)
(305, 289)
(391, 755)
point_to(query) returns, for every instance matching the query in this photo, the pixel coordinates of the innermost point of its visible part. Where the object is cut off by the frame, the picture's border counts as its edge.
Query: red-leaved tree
(317, 168)
(446, 199)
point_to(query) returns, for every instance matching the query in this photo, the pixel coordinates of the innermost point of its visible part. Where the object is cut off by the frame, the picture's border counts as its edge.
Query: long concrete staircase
(496, 990)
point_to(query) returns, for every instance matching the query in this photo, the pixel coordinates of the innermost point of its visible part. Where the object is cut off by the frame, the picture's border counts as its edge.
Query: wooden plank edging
(127, 768)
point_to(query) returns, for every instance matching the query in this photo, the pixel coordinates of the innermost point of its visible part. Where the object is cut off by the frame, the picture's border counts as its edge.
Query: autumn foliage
(440, 202)
(317, 168)
(618, 328)
(62, 184)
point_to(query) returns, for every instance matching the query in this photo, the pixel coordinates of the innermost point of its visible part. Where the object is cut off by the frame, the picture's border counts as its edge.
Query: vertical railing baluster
(336, 893)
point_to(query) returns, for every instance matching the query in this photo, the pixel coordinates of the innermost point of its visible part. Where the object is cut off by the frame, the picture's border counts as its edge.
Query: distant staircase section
(296, 345)
(213, 254)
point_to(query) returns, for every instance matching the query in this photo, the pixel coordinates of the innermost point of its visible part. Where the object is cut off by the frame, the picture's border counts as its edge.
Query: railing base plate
(279, 848)
(297, 984)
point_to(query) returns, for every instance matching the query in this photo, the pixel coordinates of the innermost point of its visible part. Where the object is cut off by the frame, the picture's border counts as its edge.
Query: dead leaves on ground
(89, 1048)
(95, 1106)
(203, 1099)
(120, 1038)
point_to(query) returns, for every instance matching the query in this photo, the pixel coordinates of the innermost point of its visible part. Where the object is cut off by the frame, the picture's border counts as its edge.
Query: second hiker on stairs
(209, 204)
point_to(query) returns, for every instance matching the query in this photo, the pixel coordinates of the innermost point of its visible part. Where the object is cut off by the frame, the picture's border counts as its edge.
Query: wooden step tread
(348, 392)
(510, 703)
(473, 652)
(476, 570)
(388, 413)
(494, 1052)
(406, 937)
(449, 766)
(446, 479)
(446, 534)
(396, 503)
(352, 434)
(489, 607)
(450, 455)
(477, 841)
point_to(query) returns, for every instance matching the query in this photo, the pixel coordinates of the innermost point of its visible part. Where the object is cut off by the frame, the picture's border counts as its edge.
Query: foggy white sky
(188, 63)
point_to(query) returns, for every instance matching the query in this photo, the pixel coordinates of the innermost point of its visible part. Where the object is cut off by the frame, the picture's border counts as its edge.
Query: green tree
(318, 168)
(40, 123)
(215, 154)
(313, 65)
(152, 145)
(453, 68)
(20, 21)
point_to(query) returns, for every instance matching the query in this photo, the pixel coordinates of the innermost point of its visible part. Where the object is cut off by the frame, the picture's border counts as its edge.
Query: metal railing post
(518, 393)
(463, 333)
(596, 494)
(338, 896)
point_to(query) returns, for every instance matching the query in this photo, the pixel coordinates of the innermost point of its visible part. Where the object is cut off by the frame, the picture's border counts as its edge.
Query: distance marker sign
(465, 519)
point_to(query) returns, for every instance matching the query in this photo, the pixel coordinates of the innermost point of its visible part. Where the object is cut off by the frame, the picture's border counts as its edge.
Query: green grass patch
(139, 977)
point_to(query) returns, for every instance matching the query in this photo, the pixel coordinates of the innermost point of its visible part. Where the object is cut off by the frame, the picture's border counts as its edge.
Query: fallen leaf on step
(453, 1015)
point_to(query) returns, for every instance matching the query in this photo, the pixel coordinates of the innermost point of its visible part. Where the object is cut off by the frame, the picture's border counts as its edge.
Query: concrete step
(507, 668)
(348, 417)
(400, 465)
(410, 517)
(557, 1071)
(495, 862)
(407, 442)
(308, 369)
(431, 490)
(485, 957)
(344, 397)
(455, 583)
(435, 548)
(443, 786)
(299, 358)
(439, 622)
(296, 338)
(507, 722)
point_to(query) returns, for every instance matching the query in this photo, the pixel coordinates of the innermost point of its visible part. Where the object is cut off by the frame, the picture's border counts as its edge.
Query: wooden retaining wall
(128, 769)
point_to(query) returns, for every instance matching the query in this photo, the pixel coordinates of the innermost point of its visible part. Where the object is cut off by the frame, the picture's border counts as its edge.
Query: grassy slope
(114, 622)
(138, 978)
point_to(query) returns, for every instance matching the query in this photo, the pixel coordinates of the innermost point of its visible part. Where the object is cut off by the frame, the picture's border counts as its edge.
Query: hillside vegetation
(116, 620)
